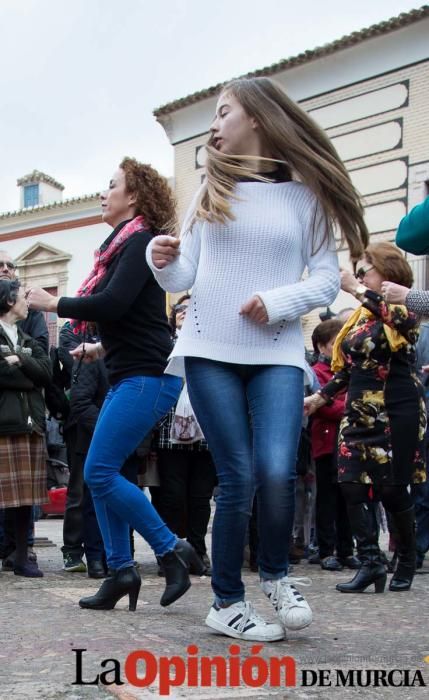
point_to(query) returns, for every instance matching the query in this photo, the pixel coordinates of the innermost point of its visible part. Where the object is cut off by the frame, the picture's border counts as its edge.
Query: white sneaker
(292, 608)
(240, 620)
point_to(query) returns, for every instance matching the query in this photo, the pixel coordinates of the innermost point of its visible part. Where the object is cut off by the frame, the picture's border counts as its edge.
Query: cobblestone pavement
(41, 624)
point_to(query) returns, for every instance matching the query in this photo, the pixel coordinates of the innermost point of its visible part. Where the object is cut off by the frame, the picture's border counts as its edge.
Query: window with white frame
(31, 195)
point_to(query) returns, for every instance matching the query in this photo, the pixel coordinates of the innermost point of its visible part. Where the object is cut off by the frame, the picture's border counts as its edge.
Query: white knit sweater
(263, 251)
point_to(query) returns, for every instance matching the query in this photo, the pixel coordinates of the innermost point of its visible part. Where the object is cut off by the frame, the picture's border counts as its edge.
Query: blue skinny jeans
(251, 417)
(130, 410)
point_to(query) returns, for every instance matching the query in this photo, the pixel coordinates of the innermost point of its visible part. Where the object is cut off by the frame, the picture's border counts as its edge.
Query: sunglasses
(9, 265)
(360, 274)
(180, 307)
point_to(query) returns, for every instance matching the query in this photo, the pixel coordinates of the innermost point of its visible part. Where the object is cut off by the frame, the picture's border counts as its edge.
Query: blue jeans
(130, 410)
(251, 417)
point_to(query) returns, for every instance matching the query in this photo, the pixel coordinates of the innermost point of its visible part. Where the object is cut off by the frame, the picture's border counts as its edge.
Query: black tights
(21, 520)
(393, 498)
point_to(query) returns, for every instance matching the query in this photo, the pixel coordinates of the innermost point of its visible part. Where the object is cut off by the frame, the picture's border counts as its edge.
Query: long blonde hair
(301, 148)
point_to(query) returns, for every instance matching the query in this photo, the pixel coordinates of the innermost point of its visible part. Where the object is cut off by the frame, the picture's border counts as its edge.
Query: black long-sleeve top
(128, 306)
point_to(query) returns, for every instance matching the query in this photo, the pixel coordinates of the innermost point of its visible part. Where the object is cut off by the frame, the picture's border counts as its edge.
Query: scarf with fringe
(102, 259)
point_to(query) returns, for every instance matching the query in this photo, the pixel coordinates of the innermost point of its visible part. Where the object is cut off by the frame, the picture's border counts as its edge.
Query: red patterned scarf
(102, 259)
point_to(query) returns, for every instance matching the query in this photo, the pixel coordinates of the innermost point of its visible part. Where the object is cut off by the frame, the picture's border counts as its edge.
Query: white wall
(360, 62)
(80, 243)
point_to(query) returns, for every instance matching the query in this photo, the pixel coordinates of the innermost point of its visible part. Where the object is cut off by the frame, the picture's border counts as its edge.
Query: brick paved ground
(41, 623)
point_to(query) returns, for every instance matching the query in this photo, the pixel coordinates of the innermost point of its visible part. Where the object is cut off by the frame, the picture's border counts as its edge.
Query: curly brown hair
(389, 262)
(154, 198)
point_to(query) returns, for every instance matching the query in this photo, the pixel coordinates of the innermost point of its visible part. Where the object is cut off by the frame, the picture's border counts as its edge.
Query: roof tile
(402, 20)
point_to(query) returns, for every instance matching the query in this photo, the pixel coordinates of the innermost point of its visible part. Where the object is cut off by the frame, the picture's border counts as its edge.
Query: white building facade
(370, 92)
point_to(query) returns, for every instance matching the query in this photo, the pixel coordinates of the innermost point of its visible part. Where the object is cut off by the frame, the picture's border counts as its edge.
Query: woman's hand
(312, 403)
(394, 293)
(88, 352)
(255, 309)
(164, 250)
(349, 282)
(38, 298)
(12, 360)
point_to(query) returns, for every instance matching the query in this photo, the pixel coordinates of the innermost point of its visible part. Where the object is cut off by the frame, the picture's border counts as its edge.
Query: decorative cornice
(390, 25)
(54, 205)
(51, 228)
(38, 176)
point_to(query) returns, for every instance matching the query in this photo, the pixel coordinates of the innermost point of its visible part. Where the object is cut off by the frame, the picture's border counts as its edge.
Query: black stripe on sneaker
(249, 626)
(235, 619)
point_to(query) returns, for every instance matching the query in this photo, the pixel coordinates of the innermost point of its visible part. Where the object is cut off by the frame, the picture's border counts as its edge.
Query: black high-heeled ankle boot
(119, 584)
(403, 531)
(175, 565)
(372, 570)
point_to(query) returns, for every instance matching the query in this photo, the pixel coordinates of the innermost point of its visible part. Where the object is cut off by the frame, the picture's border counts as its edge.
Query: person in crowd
(413, 237)
(123, 298)
(88, 388)
(381, 439)
(305, 485)
(34, 326)
(186, 472)
(420, 492)
(24, 371)
(249, 234)
(334, 535)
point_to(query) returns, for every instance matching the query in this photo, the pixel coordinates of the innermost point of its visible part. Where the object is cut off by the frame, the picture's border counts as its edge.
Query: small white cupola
(38, 189)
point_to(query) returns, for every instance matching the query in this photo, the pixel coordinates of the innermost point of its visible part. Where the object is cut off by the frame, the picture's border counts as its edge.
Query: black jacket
(86, 398)
(129, 308)
(22, 406)
(35, 326)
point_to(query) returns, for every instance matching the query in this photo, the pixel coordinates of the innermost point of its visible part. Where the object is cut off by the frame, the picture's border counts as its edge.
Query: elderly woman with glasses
(25, 370)
(380, 444)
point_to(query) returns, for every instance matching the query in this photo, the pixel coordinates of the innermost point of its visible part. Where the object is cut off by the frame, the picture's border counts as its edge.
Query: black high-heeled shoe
(176, 565)
(119, 584)
(372, 570)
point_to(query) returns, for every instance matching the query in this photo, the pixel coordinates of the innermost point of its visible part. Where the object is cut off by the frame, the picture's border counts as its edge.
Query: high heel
(176, 565)
(372, 570)
(380, 584)
(119, 584)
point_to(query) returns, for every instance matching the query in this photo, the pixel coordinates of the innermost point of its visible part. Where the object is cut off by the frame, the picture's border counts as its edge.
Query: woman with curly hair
(128, 306)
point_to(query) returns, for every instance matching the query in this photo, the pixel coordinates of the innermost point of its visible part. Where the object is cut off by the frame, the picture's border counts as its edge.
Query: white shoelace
(297, 581)
(249, 615)
(281, 584)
